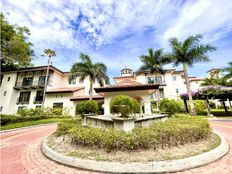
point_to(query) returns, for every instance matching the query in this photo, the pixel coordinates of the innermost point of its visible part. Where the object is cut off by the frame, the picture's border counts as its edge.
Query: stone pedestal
(125, 124)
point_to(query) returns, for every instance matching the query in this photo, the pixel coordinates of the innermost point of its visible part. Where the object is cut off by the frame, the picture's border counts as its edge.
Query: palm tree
(86, 68)
(189, 52)
(228, 71)
(50, 53)
(154, 62)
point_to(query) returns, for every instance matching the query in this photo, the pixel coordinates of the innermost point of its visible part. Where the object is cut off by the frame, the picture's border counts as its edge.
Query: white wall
(8, 102)
(58, 98)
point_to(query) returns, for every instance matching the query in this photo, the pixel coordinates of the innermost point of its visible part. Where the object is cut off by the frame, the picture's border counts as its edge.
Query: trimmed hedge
(87, 107)
(169, 105)
(125, 105)
(8, 119)
(177, 130)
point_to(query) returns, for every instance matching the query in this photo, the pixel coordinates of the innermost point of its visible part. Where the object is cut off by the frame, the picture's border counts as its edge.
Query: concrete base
(125, 124)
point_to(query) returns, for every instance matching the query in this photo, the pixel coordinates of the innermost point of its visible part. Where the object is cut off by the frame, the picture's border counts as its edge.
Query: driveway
(21, 154)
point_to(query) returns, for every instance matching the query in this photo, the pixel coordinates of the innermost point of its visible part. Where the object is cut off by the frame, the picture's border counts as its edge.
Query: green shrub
(87, 107)
(122, 104)
(8, 119)
(171, 106)
(136, 106)
(199, 105)
(178, 130)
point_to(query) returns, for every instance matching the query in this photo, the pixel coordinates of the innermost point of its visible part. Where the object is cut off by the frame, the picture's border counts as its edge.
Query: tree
(16, 51)
(154, 62)
(228, 71)
(187, 53)
(50, 53)
(86, 68)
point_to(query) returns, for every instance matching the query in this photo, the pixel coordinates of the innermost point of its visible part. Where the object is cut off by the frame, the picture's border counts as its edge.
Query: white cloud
(101, 23)
(209, 17)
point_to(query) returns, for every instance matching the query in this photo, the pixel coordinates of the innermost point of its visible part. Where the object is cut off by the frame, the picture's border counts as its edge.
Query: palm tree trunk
(192, 110)
(91, 90)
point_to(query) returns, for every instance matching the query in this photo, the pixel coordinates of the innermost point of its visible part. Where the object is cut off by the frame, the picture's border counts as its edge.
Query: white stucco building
(24, 88)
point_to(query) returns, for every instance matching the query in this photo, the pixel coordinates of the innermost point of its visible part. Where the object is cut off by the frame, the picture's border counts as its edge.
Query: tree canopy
(16, 50)
(154, 61)
(86, 68)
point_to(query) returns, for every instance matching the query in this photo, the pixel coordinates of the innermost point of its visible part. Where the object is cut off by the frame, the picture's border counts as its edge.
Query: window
(72, 80)
(39, 96)
(8, 79)
(42, 80)
(1, 79)
(161, 93)
(158, 79)
(174, 78)
(24, 97)
(150, 80)
(177, 90)
(27, 81)
(58, 105)
(57, 108)
(20, 108)
(5, 93)
(1, 109)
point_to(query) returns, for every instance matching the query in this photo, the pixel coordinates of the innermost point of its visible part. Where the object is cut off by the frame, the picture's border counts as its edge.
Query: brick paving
(21, 154)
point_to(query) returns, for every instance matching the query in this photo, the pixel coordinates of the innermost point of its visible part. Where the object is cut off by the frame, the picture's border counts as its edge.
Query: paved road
(20, 153)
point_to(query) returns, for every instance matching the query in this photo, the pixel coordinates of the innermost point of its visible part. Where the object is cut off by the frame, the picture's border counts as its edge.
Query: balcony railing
(156, 82)
(31, 85)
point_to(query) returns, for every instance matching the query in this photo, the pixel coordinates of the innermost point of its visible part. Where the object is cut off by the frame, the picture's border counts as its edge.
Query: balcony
(30, 85)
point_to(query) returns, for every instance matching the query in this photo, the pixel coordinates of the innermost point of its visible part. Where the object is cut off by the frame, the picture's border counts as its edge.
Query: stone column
(147, 105)
(107, 105)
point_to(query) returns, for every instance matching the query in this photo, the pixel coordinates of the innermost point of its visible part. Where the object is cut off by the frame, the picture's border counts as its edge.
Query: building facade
(23, 88)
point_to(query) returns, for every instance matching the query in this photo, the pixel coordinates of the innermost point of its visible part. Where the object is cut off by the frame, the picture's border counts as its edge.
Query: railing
(39, 83)
(156, 82)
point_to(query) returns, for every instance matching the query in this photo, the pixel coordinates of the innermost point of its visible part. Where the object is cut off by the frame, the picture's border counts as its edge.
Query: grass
(32, 123)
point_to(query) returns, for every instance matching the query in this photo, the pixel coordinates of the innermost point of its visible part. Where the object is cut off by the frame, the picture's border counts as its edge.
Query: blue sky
(118, 32)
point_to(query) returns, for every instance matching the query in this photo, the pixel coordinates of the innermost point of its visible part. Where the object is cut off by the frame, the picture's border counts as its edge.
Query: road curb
(27, 127)
(139, 167)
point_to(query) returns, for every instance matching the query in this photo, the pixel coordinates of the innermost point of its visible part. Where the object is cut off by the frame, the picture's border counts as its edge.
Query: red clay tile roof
(64, 90)
(124, 77)
(36, 68)
(126, 85)
(86, 97)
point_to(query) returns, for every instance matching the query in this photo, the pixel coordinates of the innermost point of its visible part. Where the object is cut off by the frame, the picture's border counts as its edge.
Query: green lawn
(32, 123)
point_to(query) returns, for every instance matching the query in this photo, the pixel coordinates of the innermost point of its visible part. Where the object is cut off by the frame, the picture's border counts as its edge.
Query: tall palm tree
(50, 53)
(187, 53)
(86, 68)
(228, 71)
(154, 62)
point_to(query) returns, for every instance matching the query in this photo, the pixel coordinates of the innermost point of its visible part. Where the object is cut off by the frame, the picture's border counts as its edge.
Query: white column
(147, 105)
(107, 105)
